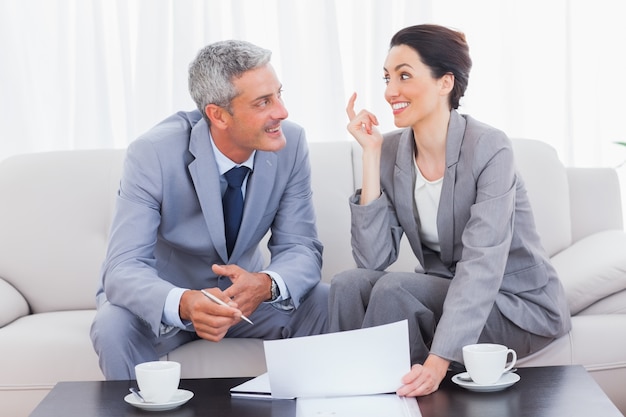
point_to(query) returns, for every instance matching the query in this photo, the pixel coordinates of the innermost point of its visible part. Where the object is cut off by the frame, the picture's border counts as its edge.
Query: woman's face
(414, 95)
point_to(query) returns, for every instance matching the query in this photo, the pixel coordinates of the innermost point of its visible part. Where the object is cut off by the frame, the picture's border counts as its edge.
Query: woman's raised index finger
(350, 107)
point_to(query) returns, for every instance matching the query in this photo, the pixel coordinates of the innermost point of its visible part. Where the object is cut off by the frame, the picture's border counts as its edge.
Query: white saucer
(506, 381)
(180, 397)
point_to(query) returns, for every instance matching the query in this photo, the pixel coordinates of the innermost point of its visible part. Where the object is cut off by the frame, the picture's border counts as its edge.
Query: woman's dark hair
(443, 50)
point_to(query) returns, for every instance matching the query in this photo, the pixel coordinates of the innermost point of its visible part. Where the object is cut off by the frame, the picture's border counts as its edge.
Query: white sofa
(54, 219)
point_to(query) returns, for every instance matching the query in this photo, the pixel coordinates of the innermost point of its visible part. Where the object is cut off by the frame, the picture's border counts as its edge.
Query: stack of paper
(341, 374)
(388, 405)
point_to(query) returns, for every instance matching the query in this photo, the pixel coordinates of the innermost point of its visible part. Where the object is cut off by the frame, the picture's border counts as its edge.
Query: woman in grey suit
(449, 183)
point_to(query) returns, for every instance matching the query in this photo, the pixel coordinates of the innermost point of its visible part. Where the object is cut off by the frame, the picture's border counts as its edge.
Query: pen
(220, 302)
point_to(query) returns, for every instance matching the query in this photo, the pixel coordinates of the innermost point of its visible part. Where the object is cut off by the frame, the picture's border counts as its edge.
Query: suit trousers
(362, 298)
(123, 340)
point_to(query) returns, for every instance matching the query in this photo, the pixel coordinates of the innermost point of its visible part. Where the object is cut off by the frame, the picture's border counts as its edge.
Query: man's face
(256, 114)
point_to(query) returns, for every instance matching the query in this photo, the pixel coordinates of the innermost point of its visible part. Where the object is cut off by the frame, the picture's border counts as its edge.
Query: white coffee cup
(486, 362)
(158, 380)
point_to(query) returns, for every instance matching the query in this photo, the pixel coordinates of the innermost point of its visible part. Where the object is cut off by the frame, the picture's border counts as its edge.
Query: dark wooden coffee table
(555, 391)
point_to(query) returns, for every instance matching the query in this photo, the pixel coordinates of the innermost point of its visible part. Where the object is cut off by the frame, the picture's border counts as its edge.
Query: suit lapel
(445, 214)
(205, 177)
(403, 189)
(258, 192)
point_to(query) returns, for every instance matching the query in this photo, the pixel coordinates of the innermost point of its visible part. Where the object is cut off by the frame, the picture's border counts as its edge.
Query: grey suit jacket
(489, 244)
(168, 226)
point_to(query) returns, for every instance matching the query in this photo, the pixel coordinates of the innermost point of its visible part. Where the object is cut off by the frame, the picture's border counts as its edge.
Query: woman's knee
(420, 286)
(390, 283)
(355, 279)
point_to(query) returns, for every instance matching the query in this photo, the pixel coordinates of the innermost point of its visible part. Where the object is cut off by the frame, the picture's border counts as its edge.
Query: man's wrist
(171, 309)
(283, 300)
(274, 290)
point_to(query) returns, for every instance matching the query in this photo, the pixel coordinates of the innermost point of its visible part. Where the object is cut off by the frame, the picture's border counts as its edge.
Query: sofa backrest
(57, 207)
(568, 203)
(54, 220)
(595, 201)
(548, 190)
(332, 182)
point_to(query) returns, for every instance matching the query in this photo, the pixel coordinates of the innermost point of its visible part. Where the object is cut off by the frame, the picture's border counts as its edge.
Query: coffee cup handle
(513, 360)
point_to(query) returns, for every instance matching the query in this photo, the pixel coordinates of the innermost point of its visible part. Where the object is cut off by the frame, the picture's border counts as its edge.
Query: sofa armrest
(12, 304)
(595, 201)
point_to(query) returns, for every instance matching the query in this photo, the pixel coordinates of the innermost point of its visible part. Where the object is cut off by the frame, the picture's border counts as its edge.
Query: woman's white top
(427, 194)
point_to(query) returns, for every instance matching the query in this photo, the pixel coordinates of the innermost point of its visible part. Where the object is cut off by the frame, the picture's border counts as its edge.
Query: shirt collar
(224, 164)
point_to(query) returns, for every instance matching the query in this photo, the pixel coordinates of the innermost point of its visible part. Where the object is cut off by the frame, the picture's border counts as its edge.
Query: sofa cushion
(237, 358)
(38, 350)
(602, 273)
(580, 345)
(613, 304)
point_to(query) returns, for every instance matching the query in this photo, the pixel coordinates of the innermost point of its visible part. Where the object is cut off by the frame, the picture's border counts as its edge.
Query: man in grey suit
(168, 238)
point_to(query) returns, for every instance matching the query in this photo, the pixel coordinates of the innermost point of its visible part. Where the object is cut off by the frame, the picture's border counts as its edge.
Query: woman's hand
(362, 126)
(424, 379)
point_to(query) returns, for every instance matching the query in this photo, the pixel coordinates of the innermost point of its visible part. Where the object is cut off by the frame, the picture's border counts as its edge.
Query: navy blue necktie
(232, 202)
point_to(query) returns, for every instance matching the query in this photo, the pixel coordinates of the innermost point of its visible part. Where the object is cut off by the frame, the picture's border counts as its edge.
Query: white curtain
(97, 73)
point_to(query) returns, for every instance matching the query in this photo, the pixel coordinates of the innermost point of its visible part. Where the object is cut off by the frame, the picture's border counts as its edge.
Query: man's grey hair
(212, 72)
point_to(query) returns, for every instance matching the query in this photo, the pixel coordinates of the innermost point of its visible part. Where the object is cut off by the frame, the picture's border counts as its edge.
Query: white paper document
(258, 387)
(356, 362)
(387, 405)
